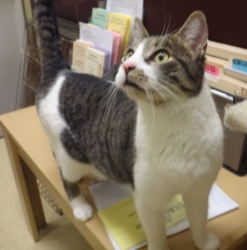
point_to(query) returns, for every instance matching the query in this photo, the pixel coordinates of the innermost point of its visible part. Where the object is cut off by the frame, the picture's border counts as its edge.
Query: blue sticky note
(239, 64)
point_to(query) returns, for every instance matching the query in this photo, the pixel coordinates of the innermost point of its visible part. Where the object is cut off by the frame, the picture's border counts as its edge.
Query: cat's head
(162, 68)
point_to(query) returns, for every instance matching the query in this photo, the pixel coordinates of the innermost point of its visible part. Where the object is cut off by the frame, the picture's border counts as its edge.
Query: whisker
(159, 87)
(150, 100)
(163, 30)
(110, 94)
(169, 92)
(168, 26)
(152, 105)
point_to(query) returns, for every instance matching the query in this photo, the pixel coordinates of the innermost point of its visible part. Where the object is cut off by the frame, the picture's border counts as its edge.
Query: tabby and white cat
(155, 127)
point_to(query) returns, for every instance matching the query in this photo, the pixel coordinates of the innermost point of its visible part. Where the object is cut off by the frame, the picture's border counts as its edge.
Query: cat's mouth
(131, 84)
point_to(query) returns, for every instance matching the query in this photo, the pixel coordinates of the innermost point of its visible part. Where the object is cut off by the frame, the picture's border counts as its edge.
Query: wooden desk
(31, 158)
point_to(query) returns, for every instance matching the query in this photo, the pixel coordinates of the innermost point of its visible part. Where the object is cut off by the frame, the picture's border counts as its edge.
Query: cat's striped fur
(154, 126)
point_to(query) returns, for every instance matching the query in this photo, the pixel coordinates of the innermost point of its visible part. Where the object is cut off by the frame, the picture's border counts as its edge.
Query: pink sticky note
(212, 70)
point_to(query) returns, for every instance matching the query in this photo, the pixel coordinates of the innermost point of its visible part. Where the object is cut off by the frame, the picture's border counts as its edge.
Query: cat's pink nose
(128, 66)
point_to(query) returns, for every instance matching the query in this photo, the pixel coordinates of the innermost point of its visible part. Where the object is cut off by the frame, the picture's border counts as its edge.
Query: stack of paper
(117, 210)
(107, 34)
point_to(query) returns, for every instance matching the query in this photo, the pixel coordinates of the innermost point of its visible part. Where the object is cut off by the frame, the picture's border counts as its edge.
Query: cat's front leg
(151, 209)
(196, 203)
(81, 209)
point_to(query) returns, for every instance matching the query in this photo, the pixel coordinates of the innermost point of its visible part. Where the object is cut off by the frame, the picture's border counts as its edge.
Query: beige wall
(11, 36)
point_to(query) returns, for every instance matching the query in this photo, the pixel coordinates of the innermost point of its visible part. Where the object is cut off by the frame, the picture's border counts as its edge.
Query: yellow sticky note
(122, 221)
(120, 23)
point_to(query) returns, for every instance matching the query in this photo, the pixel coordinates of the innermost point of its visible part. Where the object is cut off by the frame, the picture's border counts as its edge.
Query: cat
(149, 123)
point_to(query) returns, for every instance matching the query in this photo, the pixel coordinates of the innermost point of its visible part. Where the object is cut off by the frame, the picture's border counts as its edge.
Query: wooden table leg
(27, 189)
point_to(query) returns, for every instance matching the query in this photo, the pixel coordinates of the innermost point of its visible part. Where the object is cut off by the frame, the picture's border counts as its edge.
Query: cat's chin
(133, 85)
(133, 91)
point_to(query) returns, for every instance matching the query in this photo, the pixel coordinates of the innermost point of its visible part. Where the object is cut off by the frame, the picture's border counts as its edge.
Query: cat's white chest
(179, 148)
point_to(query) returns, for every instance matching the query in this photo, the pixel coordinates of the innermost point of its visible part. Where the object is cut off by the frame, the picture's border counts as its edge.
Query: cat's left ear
(138, 32)
(195, 32)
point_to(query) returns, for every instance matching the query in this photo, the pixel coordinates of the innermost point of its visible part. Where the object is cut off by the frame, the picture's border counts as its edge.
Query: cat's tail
(49, 39)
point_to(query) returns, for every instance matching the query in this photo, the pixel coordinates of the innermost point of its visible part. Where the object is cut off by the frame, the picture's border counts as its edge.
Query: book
(122, 217)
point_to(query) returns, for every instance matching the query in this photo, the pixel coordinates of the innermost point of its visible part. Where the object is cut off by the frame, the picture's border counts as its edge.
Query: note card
(133, 8)
(120, 23)
(78, 55)
(100, 17)
(239, 64)
(94, 62)
(117, 48)
(96, 36)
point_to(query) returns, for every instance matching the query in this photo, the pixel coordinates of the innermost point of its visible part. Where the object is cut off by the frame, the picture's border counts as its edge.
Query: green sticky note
(100, 17)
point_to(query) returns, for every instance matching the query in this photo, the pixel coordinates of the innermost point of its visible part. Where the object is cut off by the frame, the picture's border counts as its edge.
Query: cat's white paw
(211, 242)
(83, 212)
(81, 209)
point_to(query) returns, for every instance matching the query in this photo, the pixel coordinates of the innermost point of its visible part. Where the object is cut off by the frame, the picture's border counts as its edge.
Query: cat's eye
(160, 57)
(129, 53)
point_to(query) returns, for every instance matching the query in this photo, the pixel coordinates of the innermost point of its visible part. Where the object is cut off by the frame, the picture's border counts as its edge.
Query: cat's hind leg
(72, 171)
(196, 204)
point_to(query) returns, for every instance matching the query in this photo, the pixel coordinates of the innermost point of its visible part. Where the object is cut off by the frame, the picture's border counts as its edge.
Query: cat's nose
(128, 66)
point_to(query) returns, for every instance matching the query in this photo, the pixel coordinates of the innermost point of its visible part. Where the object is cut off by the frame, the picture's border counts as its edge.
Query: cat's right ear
(138, 32)
(195, 32)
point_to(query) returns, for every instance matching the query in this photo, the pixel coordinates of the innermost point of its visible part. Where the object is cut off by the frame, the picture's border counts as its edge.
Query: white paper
(107, 193)
(133, 8)
(97, 37)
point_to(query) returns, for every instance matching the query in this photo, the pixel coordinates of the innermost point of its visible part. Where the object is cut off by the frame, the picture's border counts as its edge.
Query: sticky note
(120, 23)
(239, 64)
(94, 62)
(100, 17)
(212, 70)
(121, 219)
(78, 55)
